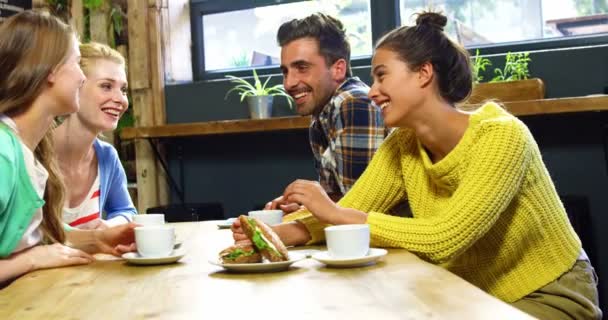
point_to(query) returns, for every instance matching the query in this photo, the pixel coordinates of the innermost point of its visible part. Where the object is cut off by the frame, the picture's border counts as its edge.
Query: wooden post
(77, 19)
(39, 4)
(101, 31)
(155, 33)
(177, 40)
(100, 24)
(147, 88)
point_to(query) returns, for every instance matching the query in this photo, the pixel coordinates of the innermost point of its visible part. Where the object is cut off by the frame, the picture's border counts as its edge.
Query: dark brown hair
(328, 31)
(426, 42)
(32, 45)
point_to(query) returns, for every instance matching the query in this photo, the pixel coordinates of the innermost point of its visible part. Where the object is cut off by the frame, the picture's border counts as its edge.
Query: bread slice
(240, 253)
(264, 239)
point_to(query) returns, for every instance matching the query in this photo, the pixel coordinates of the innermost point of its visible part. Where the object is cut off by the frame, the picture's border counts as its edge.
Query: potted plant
(259, 96)
(511, 83)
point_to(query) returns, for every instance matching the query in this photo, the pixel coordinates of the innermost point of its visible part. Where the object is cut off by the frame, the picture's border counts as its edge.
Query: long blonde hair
(32, 45)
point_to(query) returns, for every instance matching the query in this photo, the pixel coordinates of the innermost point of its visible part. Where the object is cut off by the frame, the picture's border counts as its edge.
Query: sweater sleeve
(380, 187)
(498, 161)
(118, 202)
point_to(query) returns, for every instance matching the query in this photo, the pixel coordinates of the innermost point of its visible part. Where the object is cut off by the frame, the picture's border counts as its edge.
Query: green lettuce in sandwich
(264, 239)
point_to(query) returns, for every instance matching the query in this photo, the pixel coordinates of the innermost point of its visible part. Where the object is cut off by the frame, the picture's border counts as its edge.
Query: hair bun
(433, 19)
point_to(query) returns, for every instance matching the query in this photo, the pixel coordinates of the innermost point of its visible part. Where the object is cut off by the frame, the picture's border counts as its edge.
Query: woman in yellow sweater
(483, 204)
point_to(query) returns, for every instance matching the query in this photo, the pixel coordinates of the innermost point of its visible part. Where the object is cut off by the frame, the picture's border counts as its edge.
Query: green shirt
(18, 199)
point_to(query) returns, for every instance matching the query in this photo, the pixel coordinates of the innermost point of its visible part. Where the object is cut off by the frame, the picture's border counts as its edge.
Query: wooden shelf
(216, 127)
(519, 108)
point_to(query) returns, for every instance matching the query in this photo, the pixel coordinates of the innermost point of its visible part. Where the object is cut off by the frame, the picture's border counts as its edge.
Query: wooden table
(401, 286)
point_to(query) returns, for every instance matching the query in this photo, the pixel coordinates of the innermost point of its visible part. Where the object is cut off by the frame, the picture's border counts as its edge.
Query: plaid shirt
(345, 135)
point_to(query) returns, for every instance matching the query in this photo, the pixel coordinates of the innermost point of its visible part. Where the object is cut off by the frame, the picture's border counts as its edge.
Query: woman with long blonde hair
(41, 78)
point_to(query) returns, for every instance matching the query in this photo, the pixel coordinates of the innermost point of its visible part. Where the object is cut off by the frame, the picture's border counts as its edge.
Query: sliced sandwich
(265, 240)
(240, 253)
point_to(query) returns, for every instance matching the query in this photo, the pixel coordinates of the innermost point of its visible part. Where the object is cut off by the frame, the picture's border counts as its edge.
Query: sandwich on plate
(264, 243)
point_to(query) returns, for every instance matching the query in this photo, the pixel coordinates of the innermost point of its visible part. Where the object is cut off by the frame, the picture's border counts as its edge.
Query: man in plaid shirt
(346, 128)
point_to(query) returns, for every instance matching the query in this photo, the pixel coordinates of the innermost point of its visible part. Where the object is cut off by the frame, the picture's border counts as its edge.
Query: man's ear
(338, 70)
(426, 73)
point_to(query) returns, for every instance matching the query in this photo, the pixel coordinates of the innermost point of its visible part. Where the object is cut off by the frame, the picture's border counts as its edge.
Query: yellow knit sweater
(487, 212)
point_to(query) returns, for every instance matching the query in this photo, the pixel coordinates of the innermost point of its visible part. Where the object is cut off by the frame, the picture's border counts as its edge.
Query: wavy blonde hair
(32, 46)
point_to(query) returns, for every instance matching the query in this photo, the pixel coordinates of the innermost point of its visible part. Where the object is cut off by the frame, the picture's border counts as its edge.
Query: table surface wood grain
(400, 286)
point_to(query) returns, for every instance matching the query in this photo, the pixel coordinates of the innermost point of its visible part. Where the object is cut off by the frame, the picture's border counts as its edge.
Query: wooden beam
(146, 78)
(157, 82)
(177, 40)
(157, 79)
(39, 4)
(216, 127)
(77, 19)
(145, 161)
(518, 108)
(101, 30)
(139, 54)
(558, 105)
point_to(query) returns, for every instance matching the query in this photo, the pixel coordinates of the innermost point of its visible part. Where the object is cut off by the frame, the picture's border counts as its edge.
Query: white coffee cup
(347, 241)
(269, 217)
(149, 219)
(155, 241)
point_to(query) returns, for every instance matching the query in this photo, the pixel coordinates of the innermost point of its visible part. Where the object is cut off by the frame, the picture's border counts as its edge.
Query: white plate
(373, 255)
(260, 267)
(226, 224)
(135, 258)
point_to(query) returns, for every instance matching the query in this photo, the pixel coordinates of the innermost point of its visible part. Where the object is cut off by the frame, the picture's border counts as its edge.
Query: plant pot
(260, 107)
(506, 91)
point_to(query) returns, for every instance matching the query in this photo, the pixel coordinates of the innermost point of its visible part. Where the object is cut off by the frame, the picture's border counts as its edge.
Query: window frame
(385, 8)
(384, 15)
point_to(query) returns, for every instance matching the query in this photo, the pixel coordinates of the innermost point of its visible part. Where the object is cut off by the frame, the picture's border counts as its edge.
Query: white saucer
(259, 267)
(373, 255)
(135, 258)
(226, 224)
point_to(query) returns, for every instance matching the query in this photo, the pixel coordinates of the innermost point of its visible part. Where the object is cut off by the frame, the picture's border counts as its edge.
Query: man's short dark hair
(328, 31)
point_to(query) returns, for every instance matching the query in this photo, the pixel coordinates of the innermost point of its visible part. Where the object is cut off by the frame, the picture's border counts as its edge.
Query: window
(483, 22)
(247, 38)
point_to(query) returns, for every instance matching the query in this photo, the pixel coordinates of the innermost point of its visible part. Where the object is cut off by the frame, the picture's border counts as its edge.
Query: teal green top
(18, 199)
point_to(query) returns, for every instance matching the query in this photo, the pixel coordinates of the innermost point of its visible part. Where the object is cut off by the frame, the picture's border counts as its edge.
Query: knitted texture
(488, 211)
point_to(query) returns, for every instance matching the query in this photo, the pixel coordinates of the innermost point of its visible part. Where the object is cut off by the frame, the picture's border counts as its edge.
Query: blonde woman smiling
(97, 195)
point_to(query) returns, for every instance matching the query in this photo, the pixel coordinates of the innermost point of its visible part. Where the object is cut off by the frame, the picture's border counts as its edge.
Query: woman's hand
(237, 232)
(116, 240)
(280, 203)
(41, 257)
(311, 195)
(54, 255)
(291, 233)
(102, 225)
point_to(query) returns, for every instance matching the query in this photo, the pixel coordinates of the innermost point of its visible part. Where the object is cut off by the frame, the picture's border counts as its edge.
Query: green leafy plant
(479, 65)
(246, 89)
(516, 67)
(240, 60)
